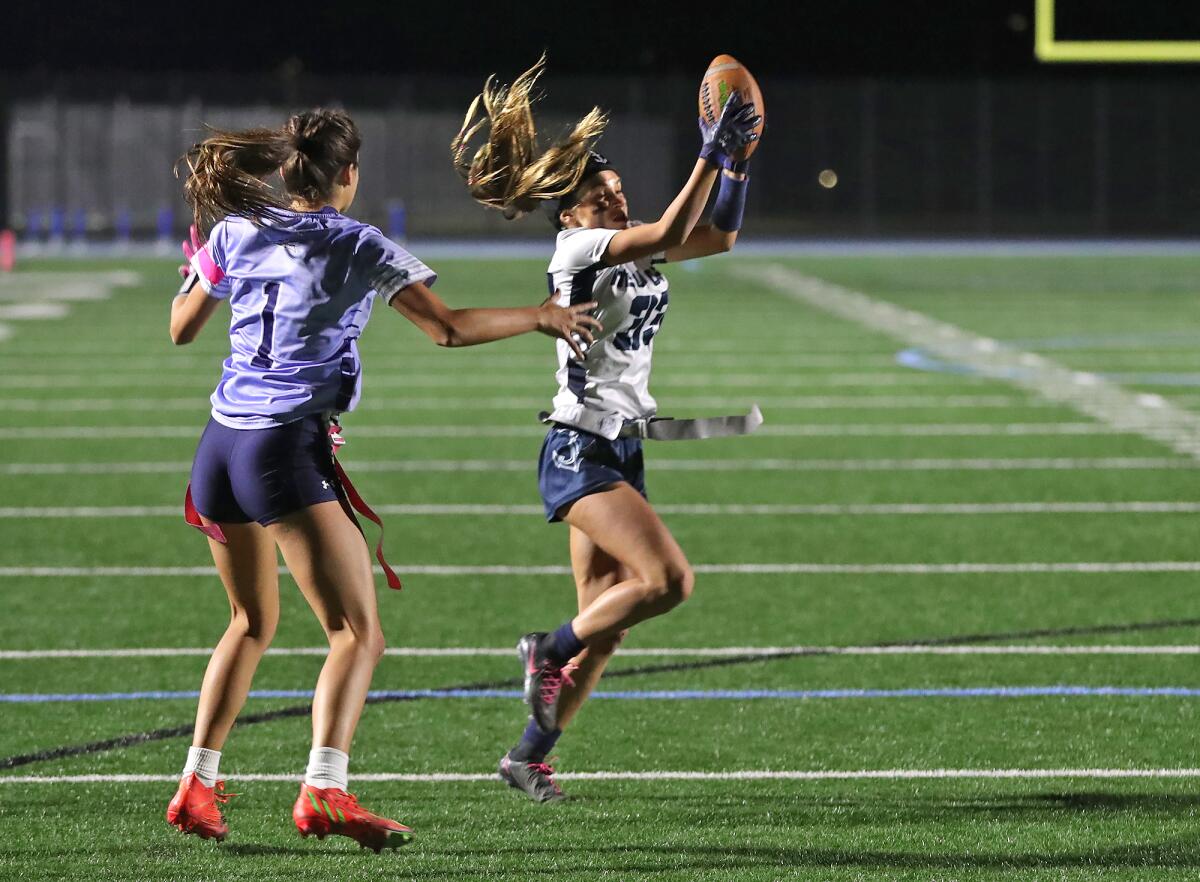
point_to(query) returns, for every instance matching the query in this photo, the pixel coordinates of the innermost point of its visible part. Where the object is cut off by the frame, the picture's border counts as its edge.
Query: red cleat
(321, 812)
(194, 808)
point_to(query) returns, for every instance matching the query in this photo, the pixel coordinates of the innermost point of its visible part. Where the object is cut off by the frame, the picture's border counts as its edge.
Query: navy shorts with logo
(575, 464)
(244, 475)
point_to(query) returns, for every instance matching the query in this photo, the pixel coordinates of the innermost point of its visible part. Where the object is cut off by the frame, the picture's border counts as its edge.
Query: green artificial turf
(97, 408)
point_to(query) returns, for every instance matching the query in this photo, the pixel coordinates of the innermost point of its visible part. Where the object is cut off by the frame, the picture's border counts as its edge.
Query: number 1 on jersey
(262, 358)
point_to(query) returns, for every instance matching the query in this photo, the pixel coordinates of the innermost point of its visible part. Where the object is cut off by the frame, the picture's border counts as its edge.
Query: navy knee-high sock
(534, 745)
(562, 645)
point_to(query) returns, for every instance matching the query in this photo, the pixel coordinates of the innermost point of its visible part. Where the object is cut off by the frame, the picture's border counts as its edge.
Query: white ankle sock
(204, 763)
(327, 767)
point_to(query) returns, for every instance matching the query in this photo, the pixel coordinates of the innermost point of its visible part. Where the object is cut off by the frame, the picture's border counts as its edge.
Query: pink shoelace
(547, 770)
(553, 680)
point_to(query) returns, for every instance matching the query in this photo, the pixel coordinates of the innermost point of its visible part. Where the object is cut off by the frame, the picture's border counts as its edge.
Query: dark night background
(376, 37)
(936, 114)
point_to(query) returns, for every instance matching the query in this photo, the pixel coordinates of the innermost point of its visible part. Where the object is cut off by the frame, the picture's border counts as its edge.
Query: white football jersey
(611, 384)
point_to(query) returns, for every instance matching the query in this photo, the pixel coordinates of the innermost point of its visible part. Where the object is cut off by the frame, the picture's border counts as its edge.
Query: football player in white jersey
(627, 565)
(301, 278)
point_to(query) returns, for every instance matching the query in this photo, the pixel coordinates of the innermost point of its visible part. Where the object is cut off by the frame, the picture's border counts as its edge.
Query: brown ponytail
(227, 171)
(507, 172)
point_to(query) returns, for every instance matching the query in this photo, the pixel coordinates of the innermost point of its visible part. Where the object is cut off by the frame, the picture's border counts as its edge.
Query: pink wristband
(210, 273)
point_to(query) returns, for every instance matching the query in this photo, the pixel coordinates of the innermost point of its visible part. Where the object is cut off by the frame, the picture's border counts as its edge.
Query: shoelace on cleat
(219, 798)
(548, 771)
(553, 679)
(350, 802)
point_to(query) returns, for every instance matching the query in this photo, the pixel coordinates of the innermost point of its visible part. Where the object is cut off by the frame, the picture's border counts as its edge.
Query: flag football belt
(354, 502)
(671, 429)
(351, 502)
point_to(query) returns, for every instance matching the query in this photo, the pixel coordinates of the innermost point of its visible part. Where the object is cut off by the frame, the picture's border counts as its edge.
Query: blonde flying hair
(508, 172)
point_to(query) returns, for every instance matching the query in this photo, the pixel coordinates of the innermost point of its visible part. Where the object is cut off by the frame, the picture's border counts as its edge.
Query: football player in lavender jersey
(626, 564)
(301, 279)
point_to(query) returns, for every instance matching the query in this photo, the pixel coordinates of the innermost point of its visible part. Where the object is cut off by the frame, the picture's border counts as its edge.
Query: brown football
(725, 73)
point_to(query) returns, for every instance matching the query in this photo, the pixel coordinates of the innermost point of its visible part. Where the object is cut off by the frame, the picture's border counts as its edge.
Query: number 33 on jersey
(611, 384)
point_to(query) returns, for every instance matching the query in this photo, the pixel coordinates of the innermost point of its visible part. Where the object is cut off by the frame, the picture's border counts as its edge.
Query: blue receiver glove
(732, 131)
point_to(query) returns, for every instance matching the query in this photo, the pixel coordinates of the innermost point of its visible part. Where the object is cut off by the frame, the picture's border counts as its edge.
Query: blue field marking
(656, 694)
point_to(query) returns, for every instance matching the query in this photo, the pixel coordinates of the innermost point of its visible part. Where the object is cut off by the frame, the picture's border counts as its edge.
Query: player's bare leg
(622, 524)
(328, 556)
(249, 570)
(247, 566)
(526, 767)
(595, 571)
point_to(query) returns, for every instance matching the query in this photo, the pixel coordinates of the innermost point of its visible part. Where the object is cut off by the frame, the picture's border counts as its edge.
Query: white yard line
(26, 296)
(1151, 416)
(933, 430)
(632, 652)
(533, 429)
(28, 311)
(532, 367)
(677, 775)
(754, 510)
(745, 569)
(530, 404)
(850, 344)
(971, 464)
(545, 381)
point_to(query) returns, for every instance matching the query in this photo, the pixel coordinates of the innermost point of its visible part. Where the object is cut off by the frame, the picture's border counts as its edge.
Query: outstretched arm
(469, 327)
(670, 230)
(732, 131)
(718, 236)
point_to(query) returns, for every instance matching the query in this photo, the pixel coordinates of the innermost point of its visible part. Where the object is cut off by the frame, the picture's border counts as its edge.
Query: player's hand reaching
(570, 323)
(732, 131)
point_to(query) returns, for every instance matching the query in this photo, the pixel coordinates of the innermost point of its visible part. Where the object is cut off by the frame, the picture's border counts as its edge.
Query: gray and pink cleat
(544, 680)
(535, 779)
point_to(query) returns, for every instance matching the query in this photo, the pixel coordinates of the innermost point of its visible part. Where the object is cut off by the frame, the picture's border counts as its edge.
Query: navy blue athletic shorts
(244, 475)
(575, 464)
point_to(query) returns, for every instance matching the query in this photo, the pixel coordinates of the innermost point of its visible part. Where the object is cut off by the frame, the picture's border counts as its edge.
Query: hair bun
(306, 145)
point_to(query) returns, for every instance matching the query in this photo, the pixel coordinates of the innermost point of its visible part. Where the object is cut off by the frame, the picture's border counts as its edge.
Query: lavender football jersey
(300, 289)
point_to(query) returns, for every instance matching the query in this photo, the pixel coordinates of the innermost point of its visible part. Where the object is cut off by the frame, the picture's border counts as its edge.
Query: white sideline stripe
(761, 510)
(743, 775)
(199, 404)
(1150, 416)
(533, 429)
(933, 430)
(644, 652)
(403, 380)
(540, 366)
(849, 343)
(1065, 463)
(745, 569)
